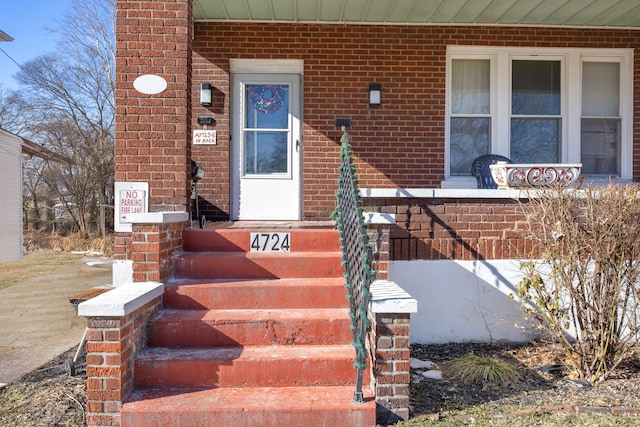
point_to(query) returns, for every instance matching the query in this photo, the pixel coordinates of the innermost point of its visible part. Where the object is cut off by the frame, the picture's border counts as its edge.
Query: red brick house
(420, 54)
(536, 81)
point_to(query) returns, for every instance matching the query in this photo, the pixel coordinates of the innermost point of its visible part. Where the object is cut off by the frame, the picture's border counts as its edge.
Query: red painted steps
(248, 407)
(250, 338)
(257, 293)
(206, 328)
(238, 239)
(257, 265)
(263, 366)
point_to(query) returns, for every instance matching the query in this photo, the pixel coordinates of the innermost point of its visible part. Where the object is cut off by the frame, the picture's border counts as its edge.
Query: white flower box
(518, 175)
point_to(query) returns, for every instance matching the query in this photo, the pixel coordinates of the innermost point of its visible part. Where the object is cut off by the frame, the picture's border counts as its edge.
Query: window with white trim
(542, 105)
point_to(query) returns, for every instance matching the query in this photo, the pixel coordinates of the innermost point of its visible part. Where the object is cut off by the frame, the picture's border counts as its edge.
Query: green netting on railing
(356, 256)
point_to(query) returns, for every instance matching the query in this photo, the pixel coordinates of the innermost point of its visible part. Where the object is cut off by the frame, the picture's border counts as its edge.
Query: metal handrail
(356, 257)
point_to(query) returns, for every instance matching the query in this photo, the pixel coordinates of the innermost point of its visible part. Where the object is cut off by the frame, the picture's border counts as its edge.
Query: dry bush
(583, 285)
(37, 241)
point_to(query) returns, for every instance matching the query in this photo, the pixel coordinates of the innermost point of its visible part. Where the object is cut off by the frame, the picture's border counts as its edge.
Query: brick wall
(399, 144)
(153, 132)
(456, 229)
(112, 345)
(379, 242)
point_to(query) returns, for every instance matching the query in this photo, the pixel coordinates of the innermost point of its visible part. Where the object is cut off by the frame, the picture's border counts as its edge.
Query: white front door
(266, 147)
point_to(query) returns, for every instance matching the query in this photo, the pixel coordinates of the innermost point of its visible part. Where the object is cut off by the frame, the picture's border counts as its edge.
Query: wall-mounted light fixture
(374, 94)
(205, 94)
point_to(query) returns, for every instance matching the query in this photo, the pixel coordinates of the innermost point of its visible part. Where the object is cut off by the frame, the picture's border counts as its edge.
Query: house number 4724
(270, 242)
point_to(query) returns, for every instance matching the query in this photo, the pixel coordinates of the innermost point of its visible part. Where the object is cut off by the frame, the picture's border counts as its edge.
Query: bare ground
(541, 384)
(39, 329)
(47, 397)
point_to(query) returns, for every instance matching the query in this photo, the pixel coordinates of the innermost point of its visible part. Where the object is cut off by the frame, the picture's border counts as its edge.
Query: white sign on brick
(131, 198)
(204, 137)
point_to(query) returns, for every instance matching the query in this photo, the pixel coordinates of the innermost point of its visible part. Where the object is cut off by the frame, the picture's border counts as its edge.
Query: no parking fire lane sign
(131, 198)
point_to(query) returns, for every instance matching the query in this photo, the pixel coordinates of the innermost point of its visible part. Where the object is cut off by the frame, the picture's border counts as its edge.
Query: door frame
(261, 68)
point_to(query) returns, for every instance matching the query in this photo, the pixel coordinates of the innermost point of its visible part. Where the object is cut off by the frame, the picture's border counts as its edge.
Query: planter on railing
(518, 175)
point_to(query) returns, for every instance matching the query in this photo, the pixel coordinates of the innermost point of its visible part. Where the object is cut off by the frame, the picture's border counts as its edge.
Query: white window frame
(571, 100)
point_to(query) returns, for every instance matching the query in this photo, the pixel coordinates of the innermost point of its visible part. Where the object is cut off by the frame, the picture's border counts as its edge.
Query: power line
(9, 56)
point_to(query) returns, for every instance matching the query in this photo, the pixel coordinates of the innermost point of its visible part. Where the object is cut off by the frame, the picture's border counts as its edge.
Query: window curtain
(470, 113)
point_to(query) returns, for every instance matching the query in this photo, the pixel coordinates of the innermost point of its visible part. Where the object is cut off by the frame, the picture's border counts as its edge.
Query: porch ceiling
(588, 13)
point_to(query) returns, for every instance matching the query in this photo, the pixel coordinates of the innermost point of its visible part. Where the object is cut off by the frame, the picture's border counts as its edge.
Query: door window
(266, 130)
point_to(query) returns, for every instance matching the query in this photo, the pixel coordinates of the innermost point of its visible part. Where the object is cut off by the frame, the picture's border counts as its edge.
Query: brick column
(390, 316)
(156, 237)
(116, 333)
(391, 366)
(153, 132)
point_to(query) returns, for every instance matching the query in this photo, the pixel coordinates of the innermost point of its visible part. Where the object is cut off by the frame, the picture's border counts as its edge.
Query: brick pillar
(153, 132)
(153, 245)
(113, 341)
(391, 365)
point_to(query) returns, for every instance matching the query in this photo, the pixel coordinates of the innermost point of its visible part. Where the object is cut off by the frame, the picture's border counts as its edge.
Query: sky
(25, 21)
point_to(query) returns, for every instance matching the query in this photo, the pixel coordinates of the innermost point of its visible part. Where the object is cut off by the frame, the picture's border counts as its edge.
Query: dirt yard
(37, 321)
(40, 329)
(47, 396)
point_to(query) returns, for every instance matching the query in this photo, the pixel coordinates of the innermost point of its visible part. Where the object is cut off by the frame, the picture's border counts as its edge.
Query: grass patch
(481, 370)
(33, 265)
(11, 396)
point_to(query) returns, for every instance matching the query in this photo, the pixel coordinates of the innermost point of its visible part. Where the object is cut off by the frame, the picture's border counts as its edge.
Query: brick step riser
(331, 294)
(239, 240)
(188, 333)
(230, 265)
(247, 373)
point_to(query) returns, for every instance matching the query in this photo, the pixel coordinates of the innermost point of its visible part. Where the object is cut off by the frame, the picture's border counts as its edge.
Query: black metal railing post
(356, 257)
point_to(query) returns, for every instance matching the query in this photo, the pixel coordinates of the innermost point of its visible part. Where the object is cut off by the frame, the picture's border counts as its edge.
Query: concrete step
(253, 366)
(257, 265)
(234, 240)
(248, 407)
(248, 294)
(209, 328)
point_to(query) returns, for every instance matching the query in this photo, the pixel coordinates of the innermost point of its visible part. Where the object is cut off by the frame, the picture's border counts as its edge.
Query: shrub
(582, 283)
(482, 370)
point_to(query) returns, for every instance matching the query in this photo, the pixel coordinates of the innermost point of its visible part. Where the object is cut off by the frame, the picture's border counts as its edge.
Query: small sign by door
(204, 137)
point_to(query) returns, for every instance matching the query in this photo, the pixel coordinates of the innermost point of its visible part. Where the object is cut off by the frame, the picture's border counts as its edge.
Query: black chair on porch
(480, 169)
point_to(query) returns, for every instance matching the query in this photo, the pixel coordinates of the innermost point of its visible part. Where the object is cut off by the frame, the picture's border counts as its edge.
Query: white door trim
(267, 66)
(266, 197)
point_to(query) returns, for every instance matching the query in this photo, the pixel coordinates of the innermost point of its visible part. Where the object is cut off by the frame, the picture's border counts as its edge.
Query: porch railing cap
(441, 193)
(158, 217)
(388, 297)
(121, 301)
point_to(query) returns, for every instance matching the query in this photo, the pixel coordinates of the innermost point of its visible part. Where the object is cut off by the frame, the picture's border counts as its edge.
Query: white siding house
(10, 197)
(12, 150)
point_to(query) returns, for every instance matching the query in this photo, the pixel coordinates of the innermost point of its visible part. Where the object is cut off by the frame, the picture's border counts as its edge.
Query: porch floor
(270, 225)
